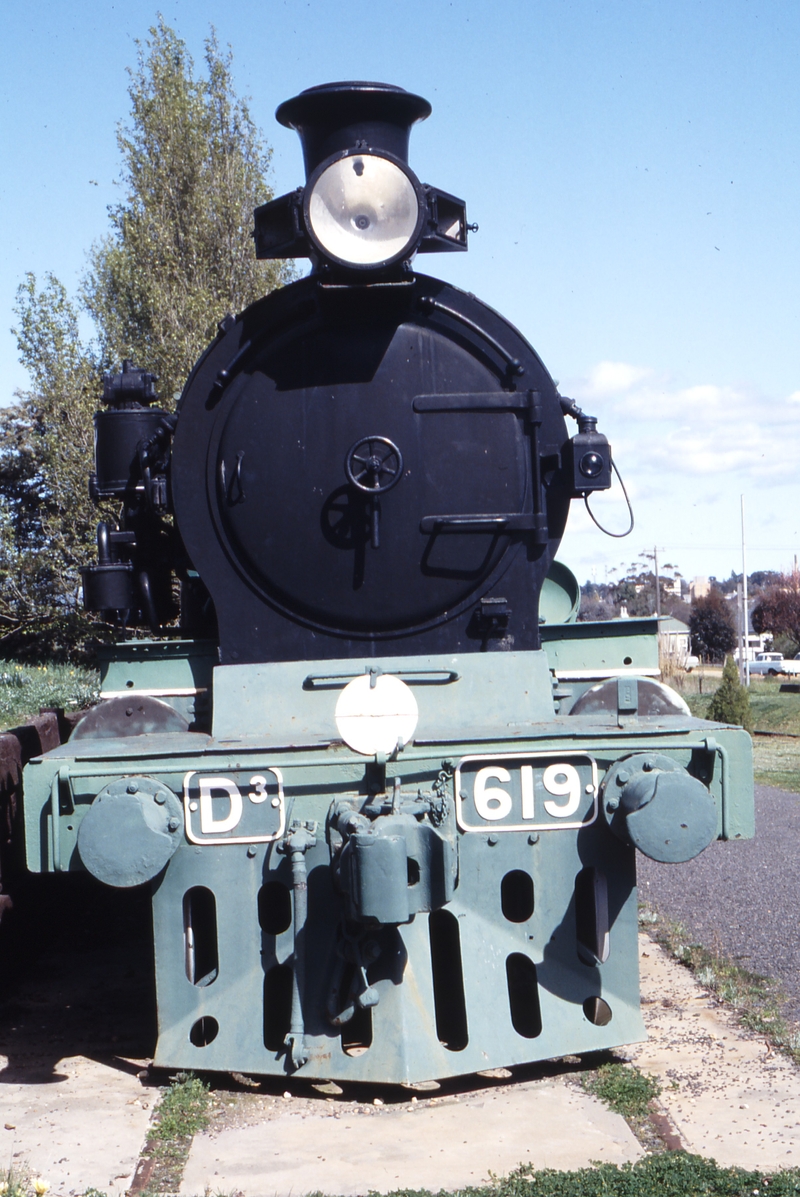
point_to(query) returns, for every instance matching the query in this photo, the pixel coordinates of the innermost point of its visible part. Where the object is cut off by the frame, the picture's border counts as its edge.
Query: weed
(181, 1113)
(623, 1088)
(18, 1182)
(673, 1174)
(183, 1109)
(756, 1000)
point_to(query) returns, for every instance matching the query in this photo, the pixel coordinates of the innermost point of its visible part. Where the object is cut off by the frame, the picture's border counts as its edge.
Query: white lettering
(259, 793)
(527, 792)
(500, 801)
(562, 781)
(208, 824)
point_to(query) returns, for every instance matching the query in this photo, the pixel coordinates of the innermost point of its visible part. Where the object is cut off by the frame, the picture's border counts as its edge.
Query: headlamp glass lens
(363, 209)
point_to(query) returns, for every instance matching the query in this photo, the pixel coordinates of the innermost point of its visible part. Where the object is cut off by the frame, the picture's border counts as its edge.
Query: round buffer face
(376, 714)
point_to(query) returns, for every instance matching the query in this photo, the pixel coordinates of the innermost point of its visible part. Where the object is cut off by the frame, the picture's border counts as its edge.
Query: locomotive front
(387, 793)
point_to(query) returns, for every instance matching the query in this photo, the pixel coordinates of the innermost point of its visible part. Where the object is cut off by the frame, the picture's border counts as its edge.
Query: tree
(180, 253)
(712, 628)
(778, 610)
(731, 702)
(46, 519)
(179, 256)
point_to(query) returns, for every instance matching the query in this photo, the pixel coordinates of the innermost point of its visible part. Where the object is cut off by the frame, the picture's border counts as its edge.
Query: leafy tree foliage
(778, 609)
(712, 628)
(46, 518)
(179, 256)
(731, 702)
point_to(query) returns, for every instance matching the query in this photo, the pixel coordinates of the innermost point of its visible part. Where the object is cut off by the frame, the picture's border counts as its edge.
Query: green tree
(46, 519)
(731, 702)
(178, 257)
(180, 252)
(778, 611)
(711, 626)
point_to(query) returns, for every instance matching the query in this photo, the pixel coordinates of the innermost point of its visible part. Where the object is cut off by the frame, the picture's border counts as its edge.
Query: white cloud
(608, 378)
(658, 429)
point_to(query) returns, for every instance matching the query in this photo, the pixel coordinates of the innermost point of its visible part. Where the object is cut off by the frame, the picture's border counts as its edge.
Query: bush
(731, 703)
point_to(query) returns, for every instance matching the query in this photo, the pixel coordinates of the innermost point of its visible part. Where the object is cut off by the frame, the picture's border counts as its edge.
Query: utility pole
(658, 583)
(745, 616)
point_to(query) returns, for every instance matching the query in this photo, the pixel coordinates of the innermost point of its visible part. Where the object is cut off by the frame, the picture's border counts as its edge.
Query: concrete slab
(300, 1146)
(728, 1094)
(78, 1124)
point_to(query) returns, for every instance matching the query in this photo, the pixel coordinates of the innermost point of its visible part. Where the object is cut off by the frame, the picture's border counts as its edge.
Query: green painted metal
(177, 671)
(587, 652)
(660, 808)
(560, 597)
(293, 702)
(129, 833)
(468, 905)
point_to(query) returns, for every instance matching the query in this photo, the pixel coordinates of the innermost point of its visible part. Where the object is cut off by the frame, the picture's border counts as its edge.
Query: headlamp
(362, 210)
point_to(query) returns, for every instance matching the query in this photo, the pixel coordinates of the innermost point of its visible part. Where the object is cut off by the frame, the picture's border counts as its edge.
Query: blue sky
(635, 171)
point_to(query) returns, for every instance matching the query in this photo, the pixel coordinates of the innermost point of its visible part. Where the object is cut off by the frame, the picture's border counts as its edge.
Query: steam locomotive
(386, 790)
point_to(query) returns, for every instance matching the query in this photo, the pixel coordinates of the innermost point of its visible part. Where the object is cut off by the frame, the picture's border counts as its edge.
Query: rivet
(623, 777)
(533, 838)
(647, 765)
(133, 787)
(492, 840)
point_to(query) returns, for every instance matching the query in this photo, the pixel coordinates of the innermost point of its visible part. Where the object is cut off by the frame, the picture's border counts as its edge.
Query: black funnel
(338, 116)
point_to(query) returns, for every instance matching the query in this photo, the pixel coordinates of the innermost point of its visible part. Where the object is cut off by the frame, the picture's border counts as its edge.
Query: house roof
(668, 623)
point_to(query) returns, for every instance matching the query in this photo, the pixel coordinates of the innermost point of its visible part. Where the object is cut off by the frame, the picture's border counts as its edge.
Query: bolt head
(612, 804)
(132, 787)
(623, 777)
(174, 823)
(160, 798)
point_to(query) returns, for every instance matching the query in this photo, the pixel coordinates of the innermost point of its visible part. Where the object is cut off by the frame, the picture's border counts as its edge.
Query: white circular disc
(375, 718)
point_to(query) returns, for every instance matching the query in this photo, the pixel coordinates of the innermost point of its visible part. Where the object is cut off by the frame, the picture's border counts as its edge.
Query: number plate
(535, 791)
(239, 808)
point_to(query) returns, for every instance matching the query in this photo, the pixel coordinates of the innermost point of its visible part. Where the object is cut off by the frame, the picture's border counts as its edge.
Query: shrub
(731, 703)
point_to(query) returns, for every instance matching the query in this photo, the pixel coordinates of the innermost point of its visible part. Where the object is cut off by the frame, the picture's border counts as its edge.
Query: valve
(374, 465)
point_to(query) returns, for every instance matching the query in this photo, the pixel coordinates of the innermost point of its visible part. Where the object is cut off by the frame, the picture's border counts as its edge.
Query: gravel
(742, 897)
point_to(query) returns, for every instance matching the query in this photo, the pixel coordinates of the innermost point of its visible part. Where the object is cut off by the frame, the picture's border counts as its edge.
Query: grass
(629, 1093)
(24, 689)
(182, 1111)
(776, 756)
(673, 1174)
(624, 1089)
(755, 1000)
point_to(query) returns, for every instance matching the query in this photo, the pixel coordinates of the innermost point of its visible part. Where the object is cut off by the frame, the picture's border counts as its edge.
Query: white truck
(773, 664)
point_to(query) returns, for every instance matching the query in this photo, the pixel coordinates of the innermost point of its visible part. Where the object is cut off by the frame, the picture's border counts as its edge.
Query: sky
(633, 165)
